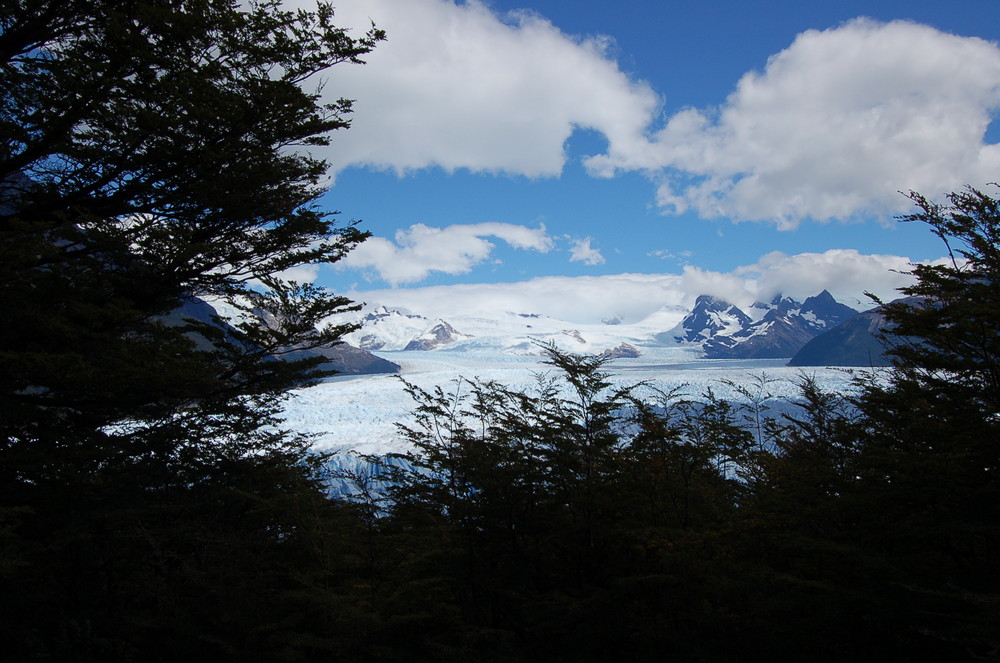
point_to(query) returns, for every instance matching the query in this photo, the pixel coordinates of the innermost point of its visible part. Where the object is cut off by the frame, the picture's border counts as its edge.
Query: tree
(957, 305)
(574, 519)
(154, 153)
(938, 418)
(878, 512)
(930, 458)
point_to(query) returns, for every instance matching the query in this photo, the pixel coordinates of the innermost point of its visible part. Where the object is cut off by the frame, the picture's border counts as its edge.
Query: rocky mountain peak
(623, 351)
(437, 336)
(710, 317)
(857, 341)
(781, 328)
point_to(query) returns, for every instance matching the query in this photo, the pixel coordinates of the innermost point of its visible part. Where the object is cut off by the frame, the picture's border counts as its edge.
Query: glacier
(359, 413)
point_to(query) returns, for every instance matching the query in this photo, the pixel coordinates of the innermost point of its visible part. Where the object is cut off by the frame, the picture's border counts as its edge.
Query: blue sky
(734, 148)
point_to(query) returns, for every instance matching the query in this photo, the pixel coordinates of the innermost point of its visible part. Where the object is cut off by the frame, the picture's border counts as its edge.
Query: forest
(152, 507)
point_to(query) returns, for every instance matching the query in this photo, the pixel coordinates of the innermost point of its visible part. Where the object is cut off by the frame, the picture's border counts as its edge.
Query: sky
(592, 159)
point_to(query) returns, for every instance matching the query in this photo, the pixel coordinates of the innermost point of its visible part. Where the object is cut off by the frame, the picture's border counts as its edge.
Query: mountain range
(773, 330)
(818, 331)
(858, 341)
(343, 358)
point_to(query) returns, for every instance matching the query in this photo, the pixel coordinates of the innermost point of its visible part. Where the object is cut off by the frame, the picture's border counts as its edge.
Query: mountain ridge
(785, 326)
(857, 341)
(718, 328)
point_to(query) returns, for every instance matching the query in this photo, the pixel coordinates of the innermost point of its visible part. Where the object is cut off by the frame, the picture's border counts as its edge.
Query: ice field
(359, 413)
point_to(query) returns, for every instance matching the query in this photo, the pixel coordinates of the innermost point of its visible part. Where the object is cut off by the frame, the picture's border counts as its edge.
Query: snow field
(360, 413)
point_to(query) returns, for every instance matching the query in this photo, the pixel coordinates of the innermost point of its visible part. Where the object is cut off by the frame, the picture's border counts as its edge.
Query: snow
(508, 332)
(360, 413)
(392, 328)
(813, 319)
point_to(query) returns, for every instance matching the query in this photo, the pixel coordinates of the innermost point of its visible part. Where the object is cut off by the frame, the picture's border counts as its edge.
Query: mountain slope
(711, 317)
(855, 342)
(347, 359)
(437, 336)
(342, 357)
(780, 329)
(716, 328)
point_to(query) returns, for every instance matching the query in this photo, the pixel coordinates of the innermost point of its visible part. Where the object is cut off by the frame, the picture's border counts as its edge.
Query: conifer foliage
(580, 521)
(155, 153)
(565, 521)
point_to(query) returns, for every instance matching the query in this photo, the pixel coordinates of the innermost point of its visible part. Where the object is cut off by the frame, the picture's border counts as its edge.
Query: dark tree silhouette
(154, 153)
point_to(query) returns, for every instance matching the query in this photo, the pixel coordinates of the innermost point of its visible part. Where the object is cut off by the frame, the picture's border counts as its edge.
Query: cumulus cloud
(831, 128)
(581, 251)
(664, 254)
(847, 274)
(695, 281)
(300, 273)
(419, 250)
(458, 86)
(834, 127)
(574, 299)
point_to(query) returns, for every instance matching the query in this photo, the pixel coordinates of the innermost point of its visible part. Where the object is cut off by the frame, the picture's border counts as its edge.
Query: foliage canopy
(154, 154)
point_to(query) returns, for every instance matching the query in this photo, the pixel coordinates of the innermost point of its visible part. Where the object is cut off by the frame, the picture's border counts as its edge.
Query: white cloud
(664, 254)
(457, 86)
(574, 299)
(420, 249)
(730, 287)
(300, 273)
(581, 251)
(847, 274)
(834, 127)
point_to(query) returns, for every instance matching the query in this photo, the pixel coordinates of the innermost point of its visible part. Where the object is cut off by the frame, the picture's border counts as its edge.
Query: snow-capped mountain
(439, 335)
(714, 327)
(388, 329)
(343, 358)
(855, 342)
(711, 317)
(822, 312)
(773, 330)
